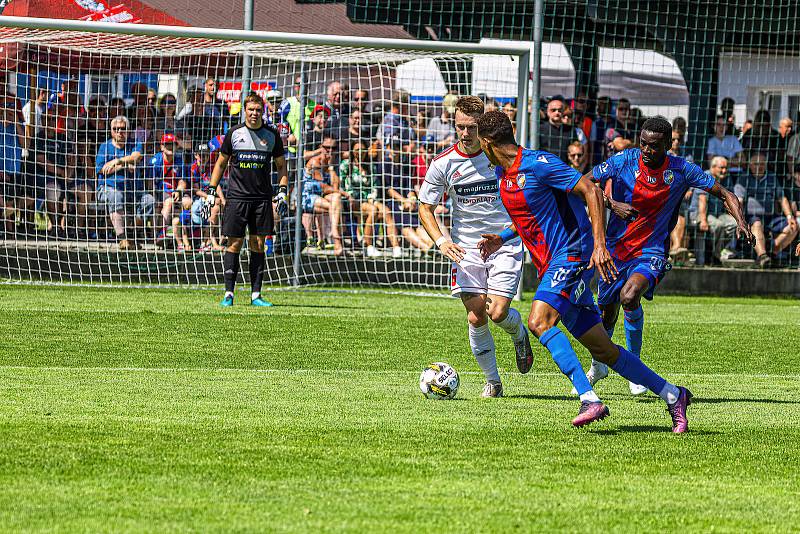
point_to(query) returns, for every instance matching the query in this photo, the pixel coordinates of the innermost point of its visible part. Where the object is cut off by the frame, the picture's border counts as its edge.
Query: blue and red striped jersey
(655, 193)
(551, 222)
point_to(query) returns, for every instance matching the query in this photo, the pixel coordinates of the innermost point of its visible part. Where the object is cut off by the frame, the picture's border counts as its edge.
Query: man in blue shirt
(115, 167)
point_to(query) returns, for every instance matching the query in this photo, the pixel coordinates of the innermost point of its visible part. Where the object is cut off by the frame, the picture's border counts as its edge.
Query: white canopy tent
(645, 77)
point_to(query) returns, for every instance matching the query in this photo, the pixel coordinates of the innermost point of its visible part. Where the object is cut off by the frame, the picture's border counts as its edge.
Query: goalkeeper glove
(280, 199)
(211, 199)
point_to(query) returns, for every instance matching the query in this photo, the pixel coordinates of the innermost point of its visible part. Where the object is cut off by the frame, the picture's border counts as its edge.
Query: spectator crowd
(135, 171)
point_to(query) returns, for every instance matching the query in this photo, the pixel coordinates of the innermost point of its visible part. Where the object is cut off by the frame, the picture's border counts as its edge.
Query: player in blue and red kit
(545, 199)
(652, 183)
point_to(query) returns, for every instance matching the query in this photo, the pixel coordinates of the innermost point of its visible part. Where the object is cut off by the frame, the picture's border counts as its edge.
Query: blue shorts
(565, 287)
(308, 201)
(654, 268)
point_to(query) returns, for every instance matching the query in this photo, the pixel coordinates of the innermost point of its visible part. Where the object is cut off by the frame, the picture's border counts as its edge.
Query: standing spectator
(321, 193)
(12, 139)
(395, 127)
(727, 106)
(680, 125)
(511, 113)
(56, 159)
(709, 214)
(333, 104)
(763, 139)
(32, 113)
(602, 123)
(625, 123)
(441, 129)
(724, 145)
(169, 176)
(115, 167)
(677, 146)
(581, 119)
(554, 135)
(793, 154)
(203, 117)
(94, 132)
(785, 128)
(765, 201)
(576, 155)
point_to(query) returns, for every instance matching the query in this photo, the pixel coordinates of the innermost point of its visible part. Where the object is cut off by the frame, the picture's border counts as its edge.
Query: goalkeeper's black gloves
(280, 202)
(211, 199)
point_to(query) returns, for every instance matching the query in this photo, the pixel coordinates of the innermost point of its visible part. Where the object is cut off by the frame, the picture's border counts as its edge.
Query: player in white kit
(486, 287)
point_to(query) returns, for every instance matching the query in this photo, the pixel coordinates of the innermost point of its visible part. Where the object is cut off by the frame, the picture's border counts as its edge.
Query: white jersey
(471, 183)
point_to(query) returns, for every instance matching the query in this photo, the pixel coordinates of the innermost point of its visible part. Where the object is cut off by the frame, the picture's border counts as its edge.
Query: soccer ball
(439, 381)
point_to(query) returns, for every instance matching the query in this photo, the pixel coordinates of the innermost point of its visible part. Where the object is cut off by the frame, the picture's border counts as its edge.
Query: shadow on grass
(647, 429)
(326, 306)
(706, 400)
(544, 397)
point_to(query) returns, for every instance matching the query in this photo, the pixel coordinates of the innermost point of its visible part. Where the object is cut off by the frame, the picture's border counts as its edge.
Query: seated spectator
(576, 154)
(115, 166)
(580, 118)
(708, 214)
(401, 198)
(767, 208)
(765, 140)
(511, 113)
(554, 135)
(441, 130)
(680, 126)
(600, 128)
(362, 190)
(677, 146)
(321, 193)
(678, 239)
(354, 134)
(724, 145)
(144, 129)
(420, 126)
(395, 126)
(117, 107)
(55, 156)
(727, 106)
(166, 115)
(168, 174)
(316, 129)
(200, 175)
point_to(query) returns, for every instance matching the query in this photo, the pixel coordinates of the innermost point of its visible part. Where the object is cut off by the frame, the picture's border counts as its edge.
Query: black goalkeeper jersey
(250, 165)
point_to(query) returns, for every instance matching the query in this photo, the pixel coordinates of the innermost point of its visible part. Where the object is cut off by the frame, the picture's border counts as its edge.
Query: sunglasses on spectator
(119, 129)
(556, 110)
(577, 155)
(328, 147)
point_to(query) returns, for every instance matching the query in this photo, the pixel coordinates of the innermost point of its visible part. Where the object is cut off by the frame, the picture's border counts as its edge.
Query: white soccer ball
(439, 381)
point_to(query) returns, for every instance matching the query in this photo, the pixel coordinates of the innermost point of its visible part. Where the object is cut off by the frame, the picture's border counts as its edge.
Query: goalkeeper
(249, 149)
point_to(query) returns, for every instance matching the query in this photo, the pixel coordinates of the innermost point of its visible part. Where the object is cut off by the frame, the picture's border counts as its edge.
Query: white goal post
(84, 204)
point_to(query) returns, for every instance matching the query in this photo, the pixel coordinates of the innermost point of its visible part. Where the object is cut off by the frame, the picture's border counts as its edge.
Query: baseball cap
(320, 107)
(167, 138)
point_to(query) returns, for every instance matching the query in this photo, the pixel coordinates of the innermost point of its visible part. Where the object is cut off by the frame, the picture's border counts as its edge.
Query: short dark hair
(496, 126)
(253, 97)
(658, 124)
(470, 105)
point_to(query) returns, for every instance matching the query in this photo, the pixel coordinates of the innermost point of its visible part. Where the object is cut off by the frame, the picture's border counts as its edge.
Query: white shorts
(498, 275)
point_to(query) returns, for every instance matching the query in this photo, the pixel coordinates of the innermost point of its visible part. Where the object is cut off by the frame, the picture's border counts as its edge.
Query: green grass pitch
(155, 410)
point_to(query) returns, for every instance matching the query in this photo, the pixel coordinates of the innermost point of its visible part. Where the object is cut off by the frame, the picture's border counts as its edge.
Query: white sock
(482, 344)
(513, 324)
(590, 396)
(229, 294)
(254, 295)
(670, 393)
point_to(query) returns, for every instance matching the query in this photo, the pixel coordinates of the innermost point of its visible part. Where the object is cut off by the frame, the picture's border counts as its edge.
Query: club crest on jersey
(668, 177)
(521, 180)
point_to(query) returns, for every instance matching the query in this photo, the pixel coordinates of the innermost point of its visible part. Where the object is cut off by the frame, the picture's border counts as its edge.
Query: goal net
(109, 138)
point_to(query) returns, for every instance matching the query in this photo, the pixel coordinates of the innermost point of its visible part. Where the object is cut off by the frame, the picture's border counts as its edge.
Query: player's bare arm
(601, 258)
(428, 219)
(624, 211)
(734, 207)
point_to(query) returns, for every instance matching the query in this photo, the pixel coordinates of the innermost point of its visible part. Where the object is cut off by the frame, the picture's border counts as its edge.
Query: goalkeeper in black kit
(250, 149)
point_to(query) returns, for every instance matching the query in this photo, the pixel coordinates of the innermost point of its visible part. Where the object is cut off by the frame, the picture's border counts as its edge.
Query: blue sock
(564, 355)
(629, 366)
(634, 324)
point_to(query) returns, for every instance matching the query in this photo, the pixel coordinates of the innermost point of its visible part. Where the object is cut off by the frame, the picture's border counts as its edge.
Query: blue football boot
(260, 302)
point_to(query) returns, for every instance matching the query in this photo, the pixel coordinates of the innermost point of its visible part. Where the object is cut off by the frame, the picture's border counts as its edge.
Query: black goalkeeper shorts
(255, 215)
